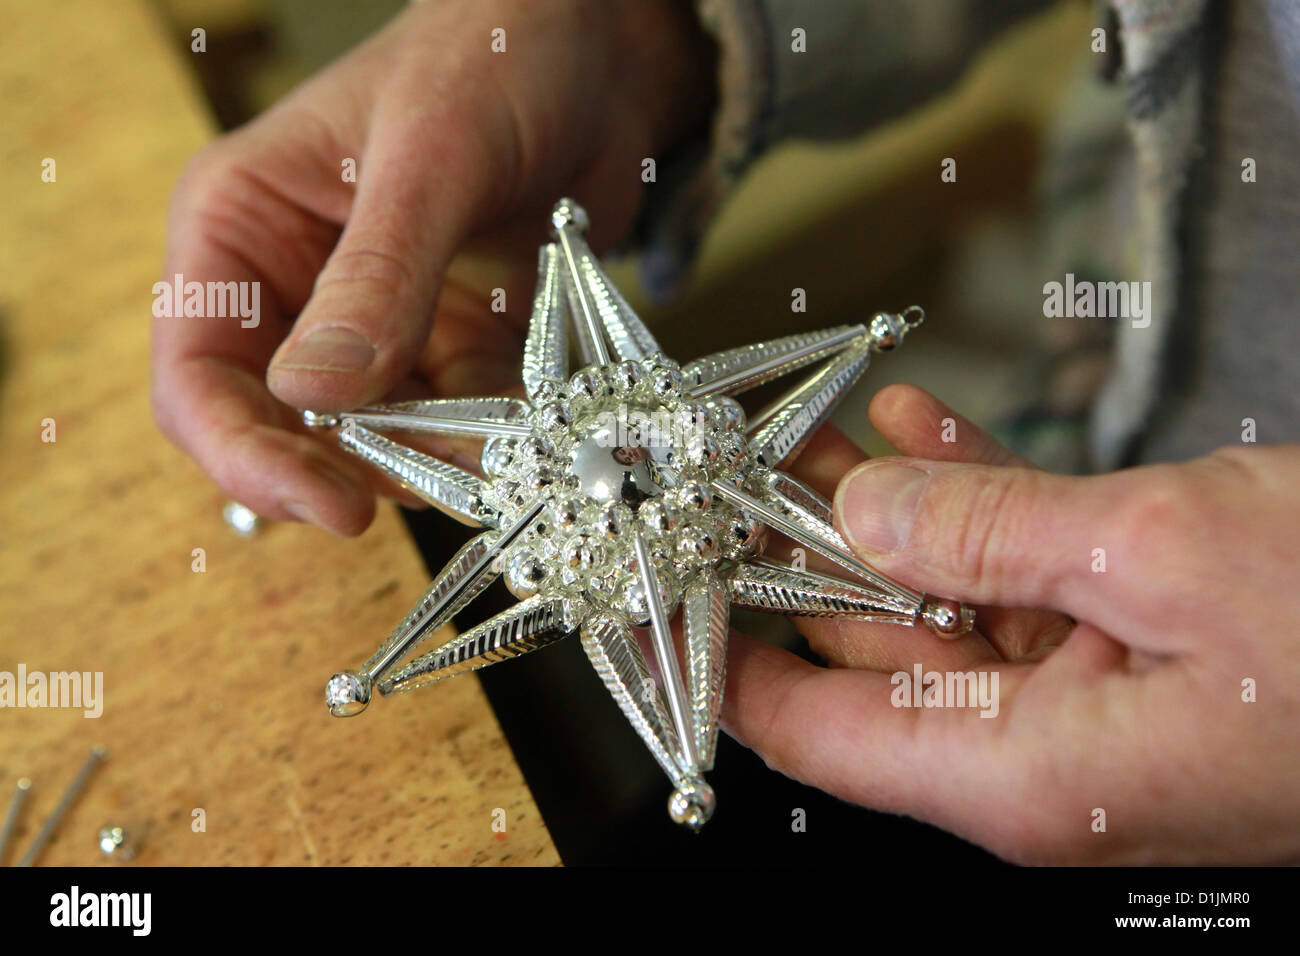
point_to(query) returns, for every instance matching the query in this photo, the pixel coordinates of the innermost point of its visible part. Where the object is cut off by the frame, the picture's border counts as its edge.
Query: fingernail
(878, 505)
(331, 349)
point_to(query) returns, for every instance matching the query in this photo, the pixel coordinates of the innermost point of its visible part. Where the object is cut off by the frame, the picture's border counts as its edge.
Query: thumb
(984, 534)
(370, 312)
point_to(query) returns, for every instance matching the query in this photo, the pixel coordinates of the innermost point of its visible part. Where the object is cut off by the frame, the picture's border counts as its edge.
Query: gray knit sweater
(1212, 100)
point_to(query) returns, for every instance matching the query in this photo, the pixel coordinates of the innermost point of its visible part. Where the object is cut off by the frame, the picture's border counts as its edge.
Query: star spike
(477, 417)
(706, 613)
(617, 658)
(737, 370)
(905, 598)
(600, 312)
(797, 501)
(462, 579)
(533, 623)
(449, 489)
(778, 433)
(546, 350)
(665, 651)
(768, 585)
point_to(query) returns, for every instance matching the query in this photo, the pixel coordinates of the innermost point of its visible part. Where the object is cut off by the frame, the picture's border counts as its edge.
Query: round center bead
(628, 458)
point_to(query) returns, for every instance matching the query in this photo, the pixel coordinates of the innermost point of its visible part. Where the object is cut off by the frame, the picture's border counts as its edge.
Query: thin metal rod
(794, 530)
(65, 803)
(480, 567)
(595, 331)
(11, 817)
(665, 650)
(405, 421)
(724, 382)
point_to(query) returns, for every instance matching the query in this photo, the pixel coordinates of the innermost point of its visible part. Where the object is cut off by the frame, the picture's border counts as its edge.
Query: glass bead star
(617, 496)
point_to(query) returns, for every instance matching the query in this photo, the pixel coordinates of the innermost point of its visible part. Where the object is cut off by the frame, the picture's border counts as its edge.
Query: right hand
(451, 141)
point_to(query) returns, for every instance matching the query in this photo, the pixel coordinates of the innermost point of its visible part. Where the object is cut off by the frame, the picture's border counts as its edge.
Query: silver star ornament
(622, 496)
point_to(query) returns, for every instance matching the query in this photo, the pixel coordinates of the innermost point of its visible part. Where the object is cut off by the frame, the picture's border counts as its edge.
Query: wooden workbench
(213, 681)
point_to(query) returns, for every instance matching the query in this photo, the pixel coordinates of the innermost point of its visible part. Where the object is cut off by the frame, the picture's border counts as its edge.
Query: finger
(424, 181)
(208, 394)
(840, 730)
(918, 424)
(984, 534)
(847, 643)
(244, 440)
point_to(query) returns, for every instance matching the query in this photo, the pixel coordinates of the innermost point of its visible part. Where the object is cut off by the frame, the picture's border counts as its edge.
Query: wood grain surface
(212, 681)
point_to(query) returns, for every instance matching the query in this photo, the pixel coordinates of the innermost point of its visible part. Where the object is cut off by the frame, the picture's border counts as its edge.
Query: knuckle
(375, 261)
(984, 524)
(204, 178)
(1167, 509)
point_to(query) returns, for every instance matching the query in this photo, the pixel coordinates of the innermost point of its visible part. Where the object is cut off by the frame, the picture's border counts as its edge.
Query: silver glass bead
(697, 542)
(567, 513)
(626, 375)
(609, 522)
(525, 572)
(886, 330)
(588, 384)
(666, 382)
(695, 496)
(553, 416)
(692, 804)
(116, 842)
(660, 515)
(727, 412)
(947, 617)
(497, 455)
(566, 213)
(347, 694)
(701, 451)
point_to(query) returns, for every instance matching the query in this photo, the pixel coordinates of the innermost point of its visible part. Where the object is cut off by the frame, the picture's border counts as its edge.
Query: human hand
(452, 143)
(1139, 710)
